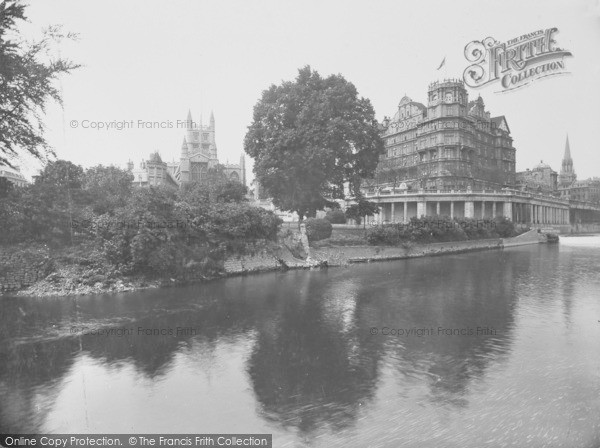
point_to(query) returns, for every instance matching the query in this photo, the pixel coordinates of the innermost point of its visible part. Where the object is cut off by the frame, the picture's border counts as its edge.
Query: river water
(497, 348)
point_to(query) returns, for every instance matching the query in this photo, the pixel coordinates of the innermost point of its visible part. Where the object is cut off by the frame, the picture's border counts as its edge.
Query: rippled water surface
(498, 348)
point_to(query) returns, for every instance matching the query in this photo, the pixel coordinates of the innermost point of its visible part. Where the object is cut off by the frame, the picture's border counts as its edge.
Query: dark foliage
(336, 216)
(318, 229)
(308, 138)
(440, 229)
(27, 84)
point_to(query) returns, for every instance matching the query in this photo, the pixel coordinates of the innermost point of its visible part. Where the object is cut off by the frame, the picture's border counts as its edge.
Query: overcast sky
(154, 60)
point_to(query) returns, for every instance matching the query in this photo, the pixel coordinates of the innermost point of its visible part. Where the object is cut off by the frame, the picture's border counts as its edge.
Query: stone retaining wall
(340, 255)
(23, 266)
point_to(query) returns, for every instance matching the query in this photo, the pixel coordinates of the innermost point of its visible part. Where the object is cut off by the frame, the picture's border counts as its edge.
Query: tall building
(567, 173)
(450, 144)
(587, 190)
(197, 155)
(540, 179)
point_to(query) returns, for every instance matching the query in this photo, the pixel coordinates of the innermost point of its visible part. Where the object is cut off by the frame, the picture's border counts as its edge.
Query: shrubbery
(442, 229)
(336, 216)
(318, 229)
(126, 230)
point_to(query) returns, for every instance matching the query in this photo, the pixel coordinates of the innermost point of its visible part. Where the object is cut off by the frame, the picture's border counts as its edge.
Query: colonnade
(518, 212)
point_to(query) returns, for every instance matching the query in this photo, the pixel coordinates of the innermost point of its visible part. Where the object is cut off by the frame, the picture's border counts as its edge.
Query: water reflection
(292, 354)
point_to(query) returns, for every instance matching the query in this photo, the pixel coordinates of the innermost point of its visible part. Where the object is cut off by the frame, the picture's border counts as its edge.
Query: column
(531, 210)
(437, 208)
(380, 214)
(393, 217)
(507, 210)
(469, 209)
(421, 208)
(405, 217)
(493, 209)
(451, 209)
(482, 209)
(545, 214)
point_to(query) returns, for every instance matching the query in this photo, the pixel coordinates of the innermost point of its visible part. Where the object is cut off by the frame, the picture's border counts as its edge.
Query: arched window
(234, 176)
(195, 172)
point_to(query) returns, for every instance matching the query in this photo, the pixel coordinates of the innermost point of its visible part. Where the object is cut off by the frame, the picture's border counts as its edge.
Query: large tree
(309, 138)
(27, 83)
(107, 188)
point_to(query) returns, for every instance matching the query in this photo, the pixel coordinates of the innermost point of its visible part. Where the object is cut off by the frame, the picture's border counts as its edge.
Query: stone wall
(263, 260)
(275, 258)
(567, 229)
(22, 266)
(341, 255)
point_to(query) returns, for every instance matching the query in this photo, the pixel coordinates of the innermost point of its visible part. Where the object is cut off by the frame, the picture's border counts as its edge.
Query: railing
(504, 192)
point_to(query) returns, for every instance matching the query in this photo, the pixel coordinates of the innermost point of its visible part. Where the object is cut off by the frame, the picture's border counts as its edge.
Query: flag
(443, 62)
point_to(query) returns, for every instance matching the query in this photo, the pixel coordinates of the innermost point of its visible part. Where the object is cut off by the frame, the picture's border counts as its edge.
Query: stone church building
(198, 154)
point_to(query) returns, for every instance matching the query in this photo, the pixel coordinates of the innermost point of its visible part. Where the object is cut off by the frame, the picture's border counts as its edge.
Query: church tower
(567, 173)
(184, 163)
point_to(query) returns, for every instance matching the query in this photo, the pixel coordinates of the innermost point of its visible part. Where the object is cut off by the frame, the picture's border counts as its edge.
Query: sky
(152, 61)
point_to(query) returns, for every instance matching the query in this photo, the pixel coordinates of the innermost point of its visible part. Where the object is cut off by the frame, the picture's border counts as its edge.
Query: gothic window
(234, 176)
(198, 172)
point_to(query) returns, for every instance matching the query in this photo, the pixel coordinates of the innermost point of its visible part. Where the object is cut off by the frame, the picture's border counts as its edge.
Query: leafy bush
(336, 216)
(434, 230)
(505, 228)
(318, 229)
(384, 236)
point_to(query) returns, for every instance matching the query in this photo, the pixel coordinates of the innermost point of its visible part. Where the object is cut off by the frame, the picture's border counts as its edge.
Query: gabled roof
(501, 123)
(198, 155)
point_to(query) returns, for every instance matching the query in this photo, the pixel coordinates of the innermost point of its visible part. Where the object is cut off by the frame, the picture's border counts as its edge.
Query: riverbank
(72, 280)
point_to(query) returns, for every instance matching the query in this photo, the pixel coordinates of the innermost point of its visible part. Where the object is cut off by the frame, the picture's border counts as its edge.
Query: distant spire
(184, 149)
(190, 122)
(567, 150)
(567, 173)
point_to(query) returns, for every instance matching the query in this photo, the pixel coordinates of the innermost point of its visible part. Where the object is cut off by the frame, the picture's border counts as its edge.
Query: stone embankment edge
(345, 255)
(280, 258)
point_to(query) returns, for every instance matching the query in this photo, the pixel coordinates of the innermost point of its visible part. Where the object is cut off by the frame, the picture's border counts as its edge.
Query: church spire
(189, 120)
(567, 150)
(567, 173)
(184, 149)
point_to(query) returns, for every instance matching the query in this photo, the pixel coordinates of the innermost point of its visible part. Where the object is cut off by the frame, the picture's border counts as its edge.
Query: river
(495, 348)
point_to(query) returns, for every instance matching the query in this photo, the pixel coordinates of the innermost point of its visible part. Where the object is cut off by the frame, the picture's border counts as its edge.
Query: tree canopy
(26, 85)
(311, 137)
